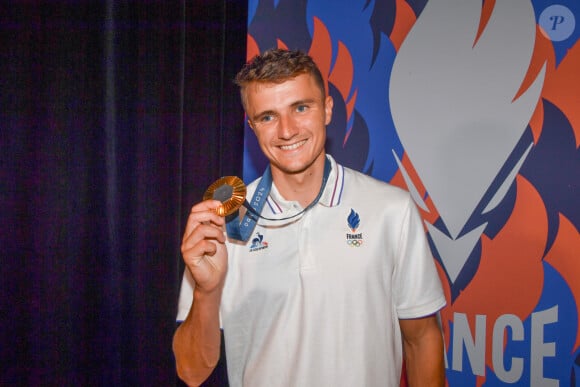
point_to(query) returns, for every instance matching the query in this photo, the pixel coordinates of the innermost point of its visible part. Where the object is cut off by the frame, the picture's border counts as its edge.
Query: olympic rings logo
(354, 242)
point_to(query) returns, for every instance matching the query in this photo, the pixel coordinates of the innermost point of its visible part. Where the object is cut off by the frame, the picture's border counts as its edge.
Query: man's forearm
(423, 348)
(196, 343)
(424, 364)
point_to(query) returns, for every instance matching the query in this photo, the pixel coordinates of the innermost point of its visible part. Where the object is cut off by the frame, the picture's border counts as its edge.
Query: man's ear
(250, 124)
(328, 105)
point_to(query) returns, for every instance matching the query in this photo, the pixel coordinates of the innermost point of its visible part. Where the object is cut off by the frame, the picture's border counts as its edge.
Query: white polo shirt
(315, 300)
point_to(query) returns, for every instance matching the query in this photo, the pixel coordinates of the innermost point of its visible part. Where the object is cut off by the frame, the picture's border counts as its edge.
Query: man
(337, 283)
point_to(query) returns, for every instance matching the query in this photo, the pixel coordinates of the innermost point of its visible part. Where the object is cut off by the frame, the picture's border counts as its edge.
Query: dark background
(114, 118)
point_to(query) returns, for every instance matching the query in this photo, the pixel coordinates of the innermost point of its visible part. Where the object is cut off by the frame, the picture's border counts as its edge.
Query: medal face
(230, 190)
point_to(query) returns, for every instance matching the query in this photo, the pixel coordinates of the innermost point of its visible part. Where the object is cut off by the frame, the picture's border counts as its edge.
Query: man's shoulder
(366, 185)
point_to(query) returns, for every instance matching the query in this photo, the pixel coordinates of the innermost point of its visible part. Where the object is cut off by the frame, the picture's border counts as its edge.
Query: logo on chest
(258, 243)
(353, 239)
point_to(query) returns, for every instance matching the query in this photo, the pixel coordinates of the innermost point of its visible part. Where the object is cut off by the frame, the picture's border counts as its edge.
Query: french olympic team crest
(473, 107)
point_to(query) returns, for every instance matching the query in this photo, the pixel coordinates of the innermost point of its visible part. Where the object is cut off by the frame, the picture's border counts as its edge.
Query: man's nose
(287, 127)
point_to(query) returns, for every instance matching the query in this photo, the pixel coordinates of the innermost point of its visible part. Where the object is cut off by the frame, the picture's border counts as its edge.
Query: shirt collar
(331, 195)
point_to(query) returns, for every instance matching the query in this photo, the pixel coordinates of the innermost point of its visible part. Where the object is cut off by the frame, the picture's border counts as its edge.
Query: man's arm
(196, 343)
(423, 351)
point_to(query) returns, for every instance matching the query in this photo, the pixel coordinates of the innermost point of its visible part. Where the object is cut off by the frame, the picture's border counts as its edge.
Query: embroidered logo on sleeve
(353, 239)
(258, 243)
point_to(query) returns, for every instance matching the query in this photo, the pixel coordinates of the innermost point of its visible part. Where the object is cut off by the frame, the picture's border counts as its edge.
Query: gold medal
(230, 190)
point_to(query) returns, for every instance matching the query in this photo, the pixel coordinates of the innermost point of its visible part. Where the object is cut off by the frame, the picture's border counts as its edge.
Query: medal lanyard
(242, 231)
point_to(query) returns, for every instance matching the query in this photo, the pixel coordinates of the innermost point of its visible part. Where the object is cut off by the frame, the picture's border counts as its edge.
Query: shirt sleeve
(418, 291)
(185, 296)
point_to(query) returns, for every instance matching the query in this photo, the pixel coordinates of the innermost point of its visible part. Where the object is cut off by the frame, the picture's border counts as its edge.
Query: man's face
(289, 120)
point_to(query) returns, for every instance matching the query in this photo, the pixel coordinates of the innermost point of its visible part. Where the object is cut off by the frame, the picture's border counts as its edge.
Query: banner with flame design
(474, 107)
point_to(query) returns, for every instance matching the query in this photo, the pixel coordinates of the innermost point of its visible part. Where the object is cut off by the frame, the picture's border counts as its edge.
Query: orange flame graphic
(562, 88)
(543, 54)
(486, 11)
(404, 21)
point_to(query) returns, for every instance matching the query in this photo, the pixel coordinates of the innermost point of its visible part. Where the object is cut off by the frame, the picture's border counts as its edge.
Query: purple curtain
(114, 117)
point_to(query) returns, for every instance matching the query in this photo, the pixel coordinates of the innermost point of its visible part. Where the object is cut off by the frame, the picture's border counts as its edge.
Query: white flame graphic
(452, 101)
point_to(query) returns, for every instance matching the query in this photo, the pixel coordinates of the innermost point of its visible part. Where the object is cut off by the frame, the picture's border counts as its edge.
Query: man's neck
(302, 187)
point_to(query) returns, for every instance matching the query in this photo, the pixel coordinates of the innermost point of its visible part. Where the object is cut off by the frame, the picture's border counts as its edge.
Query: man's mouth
(293, 146)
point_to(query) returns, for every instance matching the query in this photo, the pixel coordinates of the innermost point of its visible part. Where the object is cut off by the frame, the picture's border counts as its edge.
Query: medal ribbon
(242, 231)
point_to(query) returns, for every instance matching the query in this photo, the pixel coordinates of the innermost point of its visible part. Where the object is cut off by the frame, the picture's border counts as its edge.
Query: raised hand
(203, 246)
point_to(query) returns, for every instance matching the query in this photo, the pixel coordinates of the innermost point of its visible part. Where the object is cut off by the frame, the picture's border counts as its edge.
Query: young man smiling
(343, 284)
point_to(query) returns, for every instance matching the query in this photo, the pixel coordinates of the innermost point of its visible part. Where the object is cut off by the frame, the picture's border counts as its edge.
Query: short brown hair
(277, 66)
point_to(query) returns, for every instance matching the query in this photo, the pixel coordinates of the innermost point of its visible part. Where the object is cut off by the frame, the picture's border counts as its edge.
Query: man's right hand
(203, 247)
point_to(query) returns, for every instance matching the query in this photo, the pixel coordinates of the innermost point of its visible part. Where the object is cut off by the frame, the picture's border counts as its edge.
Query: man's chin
(294, 164)
(293, 169)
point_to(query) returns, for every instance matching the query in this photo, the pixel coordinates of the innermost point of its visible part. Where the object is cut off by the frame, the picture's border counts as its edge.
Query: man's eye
(301, 108)
(266, 118)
